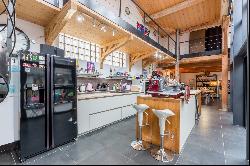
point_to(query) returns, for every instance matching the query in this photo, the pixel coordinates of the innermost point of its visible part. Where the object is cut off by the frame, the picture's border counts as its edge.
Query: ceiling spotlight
(157, 54)
(80, 18)
(94, 23)
(103, 28)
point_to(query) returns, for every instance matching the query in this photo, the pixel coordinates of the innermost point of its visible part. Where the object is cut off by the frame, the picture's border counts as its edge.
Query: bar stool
(161, 154)
(141, 108)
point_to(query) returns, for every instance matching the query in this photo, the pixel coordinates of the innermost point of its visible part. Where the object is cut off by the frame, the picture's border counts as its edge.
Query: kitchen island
(181, 124)
(97, 110)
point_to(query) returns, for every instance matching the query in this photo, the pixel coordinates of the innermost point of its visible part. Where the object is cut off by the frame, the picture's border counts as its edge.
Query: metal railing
(163, 38)
(148, 26)
(201, 45)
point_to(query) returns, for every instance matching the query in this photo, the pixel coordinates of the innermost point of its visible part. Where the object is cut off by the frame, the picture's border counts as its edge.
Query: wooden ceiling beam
(198, 70)
(57, 24)
(206, 25)
(201, 59)
(147, 62)
(153, 60)
(176, 8)
(133, 58)
(215, 64)
(108, 48)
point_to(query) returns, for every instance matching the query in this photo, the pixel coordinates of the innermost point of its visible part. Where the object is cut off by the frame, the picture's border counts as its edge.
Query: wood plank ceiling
(35, 11)
(182, 14)
(187, 16)
(195, 65)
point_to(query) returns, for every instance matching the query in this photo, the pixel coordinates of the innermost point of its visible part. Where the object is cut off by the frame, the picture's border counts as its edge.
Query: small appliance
(153, 85)
(89, 87)
(82, 88)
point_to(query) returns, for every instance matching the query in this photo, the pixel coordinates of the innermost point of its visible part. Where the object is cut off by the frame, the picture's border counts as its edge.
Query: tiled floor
(213, 141)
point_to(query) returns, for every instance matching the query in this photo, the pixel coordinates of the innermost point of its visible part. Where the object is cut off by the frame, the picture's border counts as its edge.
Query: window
(84, 50)
(79, 49)
(117, 59)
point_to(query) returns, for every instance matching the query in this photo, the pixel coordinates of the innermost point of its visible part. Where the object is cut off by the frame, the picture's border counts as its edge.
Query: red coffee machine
(153, 85)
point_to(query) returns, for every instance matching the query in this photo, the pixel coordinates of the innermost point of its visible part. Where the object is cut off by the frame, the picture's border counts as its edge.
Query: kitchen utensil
(82, 88)
(89, 87)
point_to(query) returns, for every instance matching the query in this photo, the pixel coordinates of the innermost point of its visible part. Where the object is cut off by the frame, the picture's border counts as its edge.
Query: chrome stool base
(139, 145)
(162, 155)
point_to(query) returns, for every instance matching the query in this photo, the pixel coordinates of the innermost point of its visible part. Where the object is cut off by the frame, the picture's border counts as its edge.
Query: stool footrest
(138, 145)
(162, 155)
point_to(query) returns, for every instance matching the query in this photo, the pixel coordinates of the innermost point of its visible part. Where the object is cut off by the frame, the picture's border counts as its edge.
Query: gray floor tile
(182, 161)
(207, 143)
(235, 161)
(204, 142)
(235, 150)
(56, 158)
(201, 155)
(105, 157)
(83, 149)
(6, 159)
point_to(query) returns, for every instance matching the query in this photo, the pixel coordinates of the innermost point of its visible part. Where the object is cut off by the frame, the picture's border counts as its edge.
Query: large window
(84, 50)
(79, 49)
(117, 59)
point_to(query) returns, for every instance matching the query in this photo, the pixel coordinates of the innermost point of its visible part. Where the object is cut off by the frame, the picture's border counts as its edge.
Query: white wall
(34, 32)
(10, 107)
(184, 47)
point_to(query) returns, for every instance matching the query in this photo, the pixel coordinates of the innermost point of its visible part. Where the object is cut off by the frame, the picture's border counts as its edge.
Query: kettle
(82, 88)
(89, 87)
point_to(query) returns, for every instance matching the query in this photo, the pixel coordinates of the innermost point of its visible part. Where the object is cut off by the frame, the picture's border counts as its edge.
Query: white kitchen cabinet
(128, 111)
(104, 118)
(98, 112)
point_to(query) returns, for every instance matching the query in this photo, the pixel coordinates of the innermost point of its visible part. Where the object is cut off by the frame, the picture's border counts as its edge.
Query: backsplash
(95, 81)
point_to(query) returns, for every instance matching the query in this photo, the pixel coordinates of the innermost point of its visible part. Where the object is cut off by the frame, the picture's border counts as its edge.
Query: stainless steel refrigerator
(48, 103)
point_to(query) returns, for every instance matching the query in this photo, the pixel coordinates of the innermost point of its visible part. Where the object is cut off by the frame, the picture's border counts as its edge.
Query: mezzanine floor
(213, 141)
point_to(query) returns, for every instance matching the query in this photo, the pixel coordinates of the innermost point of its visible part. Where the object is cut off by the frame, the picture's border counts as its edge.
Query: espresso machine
(154, 85)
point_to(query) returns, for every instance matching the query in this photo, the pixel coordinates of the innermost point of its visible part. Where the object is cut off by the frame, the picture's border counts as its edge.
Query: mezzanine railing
(146, 26)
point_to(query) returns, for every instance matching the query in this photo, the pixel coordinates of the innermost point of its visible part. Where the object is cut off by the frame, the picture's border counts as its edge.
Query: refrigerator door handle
(48, 101)
(52, 100)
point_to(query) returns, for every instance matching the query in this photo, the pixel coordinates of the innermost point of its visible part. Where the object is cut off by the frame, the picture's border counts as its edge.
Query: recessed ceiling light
(103, 28)
(80, 18)
(94, 23)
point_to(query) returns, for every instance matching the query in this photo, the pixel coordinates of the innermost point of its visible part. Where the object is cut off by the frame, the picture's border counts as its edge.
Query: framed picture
(90, 67)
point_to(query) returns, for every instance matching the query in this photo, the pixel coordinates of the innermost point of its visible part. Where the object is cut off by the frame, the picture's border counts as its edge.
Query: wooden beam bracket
(133, 58)
(176, 8)
(56, 25)
(108, 48)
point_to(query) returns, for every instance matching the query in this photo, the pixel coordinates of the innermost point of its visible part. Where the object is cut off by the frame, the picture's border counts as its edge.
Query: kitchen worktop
(192, 92)
(86, 96)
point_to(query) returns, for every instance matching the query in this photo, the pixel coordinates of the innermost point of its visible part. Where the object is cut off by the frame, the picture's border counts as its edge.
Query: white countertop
(86, 96)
